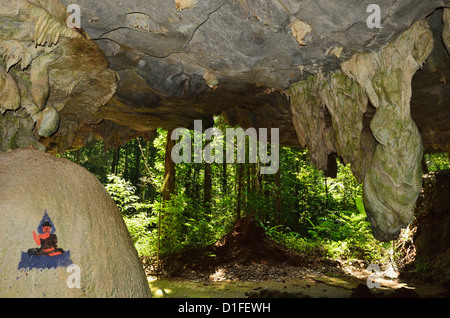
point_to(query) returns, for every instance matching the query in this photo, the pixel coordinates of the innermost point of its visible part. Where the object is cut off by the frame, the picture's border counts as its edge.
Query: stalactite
(393, 181)
(388, 160)
(40, 68)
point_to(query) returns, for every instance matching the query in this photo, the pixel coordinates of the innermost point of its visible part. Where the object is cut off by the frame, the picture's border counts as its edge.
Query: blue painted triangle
(46, 218)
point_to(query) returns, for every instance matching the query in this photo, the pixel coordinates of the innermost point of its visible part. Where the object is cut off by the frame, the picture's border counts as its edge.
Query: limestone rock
(247, 44)
(308, 116)
(50, 72)
(393, 179)
(446, 29)
(389, 164)
(347, 105)
(136, 66)
(9, 92)
(87, 224)
(162, 50)
(337, 99)
(299, 30)
(432, 236)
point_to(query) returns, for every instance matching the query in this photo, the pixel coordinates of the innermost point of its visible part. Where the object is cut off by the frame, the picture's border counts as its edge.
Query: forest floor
(246, 263)
(235, 280)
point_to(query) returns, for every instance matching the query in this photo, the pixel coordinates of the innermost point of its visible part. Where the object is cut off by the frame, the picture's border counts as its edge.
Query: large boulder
(87, 251)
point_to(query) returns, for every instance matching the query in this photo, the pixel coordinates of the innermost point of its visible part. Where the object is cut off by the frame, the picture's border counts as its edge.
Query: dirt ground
(246, 263)
(266, 281)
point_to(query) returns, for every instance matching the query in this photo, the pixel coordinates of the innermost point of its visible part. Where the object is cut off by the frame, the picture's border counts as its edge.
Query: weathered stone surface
(394, 177)
(87, 224)
(432, 236)
(446, 28)
(347, 105)
(388, 162)
(162, 49)
(162, 54)
(328, 115)
(52, 74)
(273, 64)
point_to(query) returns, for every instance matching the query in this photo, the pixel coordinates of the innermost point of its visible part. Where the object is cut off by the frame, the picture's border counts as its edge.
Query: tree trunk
(115, 161)
(169, 169)
(151, 163)
(137, 165)
(238, 208)
(126, 169)
(296, 209)
(224, 177)
(144, 190)
(78, 156)
(207, 187)
(248, 190)
(277, 179)
(262, 192)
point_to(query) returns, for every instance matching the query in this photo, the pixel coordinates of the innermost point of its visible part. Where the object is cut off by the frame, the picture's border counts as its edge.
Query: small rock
(404, 293)
(361, 291)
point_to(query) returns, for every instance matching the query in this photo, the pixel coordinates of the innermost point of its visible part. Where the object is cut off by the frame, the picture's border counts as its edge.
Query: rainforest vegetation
(168, 207)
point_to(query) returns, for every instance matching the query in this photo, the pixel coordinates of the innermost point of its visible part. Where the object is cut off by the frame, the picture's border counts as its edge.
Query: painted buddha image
(47, 241)
(47, 254)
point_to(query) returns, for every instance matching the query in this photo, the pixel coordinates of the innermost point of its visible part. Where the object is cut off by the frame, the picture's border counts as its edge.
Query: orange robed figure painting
(47, 254)
(48, 242)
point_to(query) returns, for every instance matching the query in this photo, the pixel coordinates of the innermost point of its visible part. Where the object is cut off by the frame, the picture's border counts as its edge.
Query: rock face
(432, 237)
(391, 166)
(162, 52)
(53, 78)
(393, 179)
(339, 79)
(97, 257)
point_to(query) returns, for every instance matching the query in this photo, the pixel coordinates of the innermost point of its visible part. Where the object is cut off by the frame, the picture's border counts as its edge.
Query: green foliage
(183, 223)
(143, 231)
(339, 236)
(437, 161)
(305, 210)
(94, 157)
(123, 193)
(140, 225)
(331, 217)
(294, 241)
(347, 235)
(173, 221)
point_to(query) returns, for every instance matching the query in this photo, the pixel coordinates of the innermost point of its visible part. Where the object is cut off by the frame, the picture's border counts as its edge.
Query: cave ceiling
(166, 53)
(375, 95)
(163, 49)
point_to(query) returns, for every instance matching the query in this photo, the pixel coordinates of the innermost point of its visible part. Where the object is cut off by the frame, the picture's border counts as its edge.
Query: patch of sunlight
(158, 291)
(151, 279)
(391, 271)
(218, 276)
